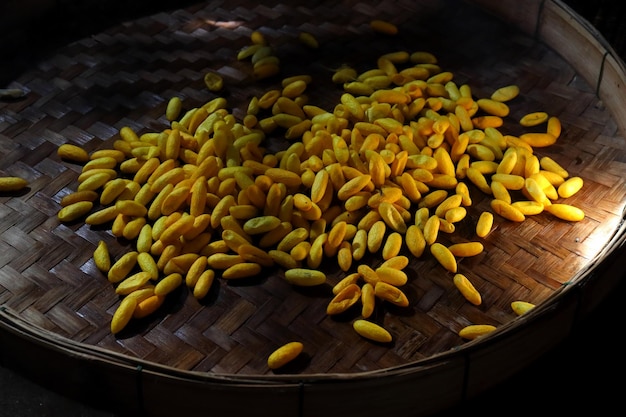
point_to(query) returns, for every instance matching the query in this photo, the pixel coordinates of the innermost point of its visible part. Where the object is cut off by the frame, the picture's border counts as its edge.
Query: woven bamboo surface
(89, 89)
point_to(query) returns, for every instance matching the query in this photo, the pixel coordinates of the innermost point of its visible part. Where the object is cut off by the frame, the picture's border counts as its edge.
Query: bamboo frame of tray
(32, 335)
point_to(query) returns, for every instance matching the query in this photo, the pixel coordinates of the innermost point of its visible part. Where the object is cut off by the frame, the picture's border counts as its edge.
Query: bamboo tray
(55, 306)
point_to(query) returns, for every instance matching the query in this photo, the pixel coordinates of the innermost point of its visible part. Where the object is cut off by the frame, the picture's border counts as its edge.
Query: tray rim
(604, 70)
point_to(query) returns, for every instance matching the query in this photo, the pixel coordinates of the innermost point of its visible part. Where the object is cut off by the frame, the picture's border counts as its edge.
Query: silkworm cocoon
(122, 267)
(74, 211)
(507, 211)
(415, 241)
(534, 119)
(284, 354)
(551, 165)
(506, 93)
(344, 299)
(391, 293)
(123, 314)
(444, 256)
(521, 307)
(305, 277)
(476, 330)
(566, 212)
(242, 270)
(72, 153)
(384, 27)
(102, 257)
(538, 140)
(467, 289)
(466, 249)
(570, 187)
(372, 331)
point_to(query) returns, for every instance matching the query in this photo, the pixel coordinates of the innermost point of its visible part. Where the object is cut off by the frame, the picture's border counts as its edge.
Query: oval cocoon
(284, 354)
(476, 330)
(565, 212)
(372, 331)
(305, 277)
(570, 187)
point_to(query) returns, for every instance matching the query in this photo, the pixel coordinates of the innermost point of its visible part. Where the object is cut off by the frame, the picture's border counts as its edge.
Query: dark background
(583, 374)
